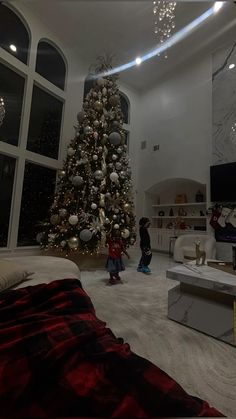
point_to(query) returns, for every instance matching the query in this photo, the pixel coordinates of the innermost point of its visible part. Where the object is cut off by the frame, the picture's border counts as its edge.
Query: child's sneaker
(139, 269)
(146, 270)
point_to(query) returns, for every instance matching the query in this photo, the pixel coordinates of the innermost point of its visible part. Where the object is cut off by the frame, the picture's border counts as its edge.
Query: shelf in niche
(179, 216)
(186, 204)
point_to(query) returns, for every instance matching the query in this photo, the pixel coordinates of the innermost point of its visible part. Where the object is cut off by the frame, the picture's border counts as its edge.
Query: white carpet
(137, 311)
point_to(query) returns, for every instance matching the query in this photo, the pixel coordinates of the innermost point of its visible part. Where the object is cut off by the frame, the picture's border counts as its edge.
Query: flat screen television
(223, 182)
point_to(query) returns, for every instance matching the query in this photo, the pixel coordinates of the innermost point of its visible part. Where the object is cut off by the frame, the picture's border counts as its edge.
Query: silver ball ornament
(116, 226)
(114, 138)
(73, 220)
(95, 157)
(63, 243)
(114, 177)
(85, 235)
(88, 130)
(94, 206)
(98, 175)
(81, 116)
(77, 180)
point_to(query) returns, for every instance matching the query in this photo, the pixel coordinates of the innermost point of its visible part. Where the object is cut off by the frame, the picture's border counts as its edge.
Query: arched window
(50, 64)
(88, 84)
(124, 103)
(14, 36)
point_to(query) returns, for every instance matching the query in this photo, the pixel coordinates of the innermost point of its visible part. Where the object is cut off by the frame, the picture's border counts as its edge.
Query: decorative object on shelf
(181, 199)
(199, 196)
(171, 213)
(164, 15)
(2, 111)
(161, 213)
(182, 212)
(200, 254)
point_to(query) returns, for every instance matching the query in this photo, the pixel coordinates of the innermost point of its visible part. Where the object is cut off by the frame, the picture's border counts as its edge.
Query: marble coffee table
(205, 300)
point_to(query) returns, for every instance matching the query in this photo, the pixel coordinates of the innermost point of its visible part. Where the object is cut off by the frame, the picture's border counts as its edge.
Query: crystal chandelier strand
(2, 111)
(164, 14)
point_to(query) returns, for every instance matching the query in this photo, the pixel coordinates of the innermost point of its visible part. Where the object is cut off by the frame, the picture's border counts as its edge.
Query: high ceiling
(126, 29)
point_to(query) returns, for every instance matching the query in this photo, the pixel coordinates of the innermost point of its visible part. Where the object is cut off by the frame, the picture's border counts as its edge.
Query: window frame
(20, 152)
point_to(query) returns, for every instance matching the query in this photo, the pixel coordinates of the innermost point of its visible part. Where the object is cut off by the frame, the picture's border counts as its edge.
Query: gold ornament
(54, 219)
(61, 173)
(73, 243)
(127, 207)
(98, 106)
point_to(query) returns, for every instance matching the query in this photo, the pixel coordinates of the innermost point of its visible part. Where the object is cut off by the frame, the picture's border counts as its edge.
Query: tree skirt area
(137, 311)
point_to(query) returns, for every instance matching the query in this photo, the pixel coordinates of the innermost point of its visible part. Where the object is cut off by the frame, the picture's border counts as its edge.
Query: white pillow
(11, 274)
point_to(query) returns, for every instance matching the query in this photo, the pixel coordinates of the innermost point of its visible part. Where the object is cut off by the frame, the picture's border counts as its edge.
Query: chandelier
(2, 111)
(164, 15)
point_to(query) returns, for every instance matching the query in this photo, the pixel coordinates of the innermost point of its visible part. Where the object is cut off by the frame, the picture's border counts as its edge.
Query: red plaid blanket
(58, 359)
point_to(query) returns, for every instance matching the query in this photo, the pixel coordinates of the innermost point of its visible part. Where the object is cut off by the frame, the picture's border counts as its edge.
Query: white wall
(177, 115)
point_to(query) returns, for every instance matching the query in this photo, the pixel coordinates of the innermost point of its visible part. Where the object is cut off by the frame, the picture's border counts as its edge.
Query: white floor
(137, 311)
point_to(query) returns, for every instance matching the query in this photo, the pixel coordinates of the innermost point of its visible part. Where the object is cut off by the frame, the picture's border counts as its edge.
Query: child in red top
(114, 263)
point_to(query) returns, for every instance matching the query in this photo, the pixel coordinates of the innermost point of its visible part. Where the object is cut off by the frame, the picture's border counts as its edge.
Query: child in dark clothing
(145, 246)
(114, 263)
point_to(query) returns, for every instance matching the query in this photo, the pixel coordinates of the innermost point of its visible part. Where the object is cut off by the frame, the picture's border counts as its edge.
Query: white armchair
(185, 246)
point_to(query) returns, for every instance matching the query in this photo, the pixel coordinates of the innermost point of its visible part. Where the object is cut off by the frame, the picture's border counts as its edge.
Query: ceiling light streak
(176, 38)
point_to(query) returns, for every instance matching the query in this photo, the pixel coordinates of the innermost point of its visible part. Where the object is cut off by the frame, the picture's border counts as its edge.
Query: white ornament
(114, 177)
(95, 157)
(94, 206)
(73, 220)
(39, 237)
(114, 157)
(116, 226)
(71, 152)
(125, 233)
(63, 243)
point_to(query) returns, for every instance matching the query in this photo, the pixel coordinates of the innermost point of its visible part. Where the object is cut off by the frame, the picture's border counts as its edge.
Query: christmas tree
(94, 192)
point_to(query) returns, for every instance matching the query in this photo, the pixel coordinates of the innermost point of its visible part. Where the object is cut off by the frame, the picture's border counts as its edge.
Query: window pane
(14, 37)
(37, 196)
(45, 124)
(12, 92)
(7, 172)
(124, 108)
(50, 64)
